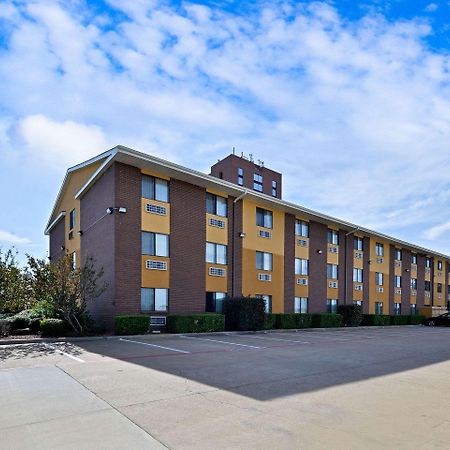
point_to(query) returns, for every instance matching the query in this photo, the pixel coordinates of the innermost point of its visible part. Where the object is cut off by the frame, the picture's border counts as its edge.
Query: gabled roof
(141, 160)
(52, 221)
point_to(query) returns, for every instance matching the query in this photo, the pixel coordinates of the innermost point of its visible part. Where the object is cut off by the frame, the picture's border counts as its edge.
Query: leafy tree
(13, 283)
(62, 291)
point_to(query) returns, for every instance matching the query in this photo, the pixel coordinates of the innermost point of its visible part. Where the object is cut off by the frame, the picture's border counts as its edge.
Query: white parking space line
(276, 339)
(154, 345)
(220, 342)
(57, 350)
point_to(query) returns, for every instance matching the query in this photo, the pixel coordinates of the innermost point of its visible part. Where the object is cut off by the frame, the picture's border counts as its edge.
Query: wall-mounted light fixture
(120, 209)
(80, 233)
(242, 234)
(63, 247)
(319, 252)
(406, 270)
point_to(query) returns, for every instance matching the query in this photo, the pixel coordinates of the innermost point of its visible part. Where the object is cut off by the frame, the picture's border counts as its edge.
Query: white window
(257, 182)
(301, 266)
(301, 228)
(379, 249)
(332, 305)
(333, 237)
(74, 260)
(379, 278)
(154, 299)
(216, 205)
(263, 261)
(263, 218)
(267, 301)
(357, 302)
(154, 244)
(301, 305)
(357, 275)
(414, 258)
(240, 176)
(397, 281)
(379, 308)
(439, 265)
(72, 220)
(428, 263)
(398, 254)
(155, 188)
(397, 309)
(358, 243)
(332, 271)
(216, 253)
(414, 284)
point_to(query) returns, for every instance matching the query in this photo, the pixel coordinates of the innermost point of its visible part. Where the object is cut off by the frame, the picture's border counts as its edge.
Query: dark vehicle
(440, 321)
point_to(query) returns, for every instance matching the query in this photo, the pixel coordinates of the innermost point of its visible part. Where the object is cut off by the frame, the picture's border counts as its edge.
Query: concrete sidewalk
(45, 408)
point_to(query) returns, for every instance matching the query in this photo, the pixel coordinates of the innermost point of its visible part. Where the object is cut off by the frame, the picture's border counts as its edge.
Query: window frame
(154, 251)
(153, 300)
(333, 237)
(72, 219)
(358, 275)
(358, 243)
(264, 258)
(301, 228)
(301, 266)
(379, 249)
(264, 214)
(154, 182)
(299, 303)
(215, 200)
(379, 278)
(332, 305)
(332, 269)
(216, 260)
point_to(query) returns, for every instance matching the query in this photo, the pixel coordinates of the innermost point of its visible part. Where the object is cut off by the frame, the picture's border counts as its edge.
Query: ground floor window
(267, 300)
(413, 310)
(214, 302)
(379, 308)
(332, 304)
(154, 299)
(357, 302)
(397, 309)
(301, 305)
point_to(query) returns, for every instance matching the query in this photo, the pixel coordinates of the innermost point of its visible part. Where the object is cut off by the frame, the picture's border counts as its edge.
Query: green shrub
(269, 322)
(292, 321)
(136, 324)
(351, 315)
(416, 319)
(28, 318)
(399, 320)
(376, 320)
(52, 327)
(325, 320)
(244, 313)
(195, 323)
(5, 327)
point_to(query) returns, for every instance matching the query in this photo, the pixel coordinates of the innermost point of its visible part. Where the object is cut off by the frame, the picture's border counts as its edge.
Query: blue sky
(349, 100)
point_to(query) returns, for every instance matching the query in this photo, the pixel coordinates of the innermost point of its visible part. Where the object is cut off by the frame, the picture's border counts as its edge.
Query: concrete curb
(217, 333)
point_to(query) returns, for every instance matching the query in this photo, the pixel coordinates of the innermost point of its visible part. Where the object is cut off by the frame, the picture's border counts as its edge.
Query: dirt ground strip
(350, 389)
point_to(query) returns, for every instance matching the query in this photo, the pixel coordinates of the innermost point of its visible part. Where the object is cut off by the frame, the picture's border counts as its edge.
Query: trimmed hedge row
(326, 320)
(292, 321)
(376, 320)
(195, 323)
(351, 315)
(132, 324)
(383, 320)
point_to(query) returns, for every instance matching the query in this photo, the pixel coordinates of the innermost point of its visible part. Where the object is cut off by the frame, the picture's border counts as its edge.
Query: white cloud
(356, 114)
(437, 231)
(431, 7)
(59, 144)
(10, 238)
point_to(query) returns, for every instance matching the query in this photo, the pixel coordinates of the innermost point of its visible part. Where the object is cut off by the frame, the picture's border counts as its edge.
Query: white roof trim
(122, 151)
(52, 225)
(100, 170)
(68, 172)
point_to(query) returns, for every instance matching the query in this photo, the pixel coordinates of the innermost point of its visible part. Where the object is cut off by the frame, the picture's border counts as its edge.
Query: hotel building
(174, 240)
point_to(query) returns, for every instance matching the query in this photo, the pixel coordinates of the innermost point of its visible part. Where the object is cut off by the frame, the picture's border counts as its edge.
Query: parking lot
(349, 388)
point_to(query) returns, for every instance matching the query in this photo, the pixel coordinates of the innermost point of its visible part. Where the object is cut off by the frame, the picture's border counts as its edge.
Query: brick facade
(317, 267)
(289, 266)
(57, 241)
(187, 248)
